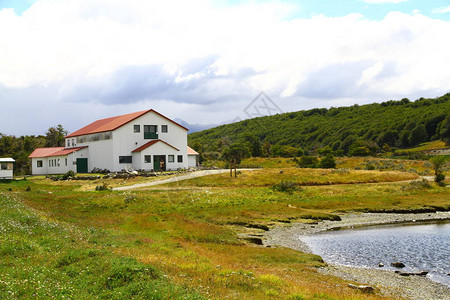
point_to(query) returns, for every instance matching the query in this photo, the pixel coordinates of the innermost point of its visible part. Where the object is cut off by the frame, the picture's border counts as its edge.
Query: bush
(370, 167)
(129, 199)
(67, 175)
(286, 186)
(308, 162)
(416, 185)
(102, 187)
(328, 162)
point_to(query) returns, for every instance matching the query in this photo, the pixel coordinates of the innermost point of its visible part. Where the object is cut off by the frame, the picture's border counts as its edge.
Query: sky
(72, 62)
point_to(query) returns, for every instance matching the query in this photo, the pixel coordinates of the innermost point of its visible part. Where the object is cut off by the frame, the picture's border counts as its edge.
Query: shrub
(68, 175)
(102, 187)
(438, 166)
(308, 162)
(328, 162)
(129, 199)
(370, 166)
(286, 186)
(416, 185)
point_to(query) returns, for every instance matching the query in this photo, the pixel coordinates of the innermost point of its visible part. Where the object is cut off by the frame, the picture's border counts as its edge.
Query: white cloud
(202, 62)
(441, 10)
(384, 1)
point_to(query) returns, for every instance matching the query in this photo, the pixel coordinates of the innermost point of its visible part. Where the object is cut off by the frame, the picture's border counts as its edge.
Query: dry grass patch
(303, 177)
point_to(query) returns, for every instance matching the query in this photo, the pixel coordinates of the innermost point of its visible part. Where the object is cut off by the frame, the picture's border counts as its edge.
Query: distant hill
(397, 124)
(194, 127)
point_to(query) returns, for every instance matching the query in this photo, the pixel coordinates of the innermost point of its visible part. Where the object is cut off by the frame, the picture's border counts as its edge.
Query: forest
(358, 130)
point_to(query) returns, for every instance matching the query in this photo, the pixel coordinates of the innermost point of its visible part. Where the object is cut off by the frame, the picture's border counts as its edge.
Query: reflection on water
(420, 247)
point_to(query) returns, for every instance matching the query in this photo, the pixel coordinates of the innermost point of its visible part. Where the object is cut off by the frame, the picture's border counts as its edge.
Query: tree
(234, 155)
(55, 136)
(266, 149)
(325, 151)
(443, 129)
(389, 137)
(438, 165)
(328, 162)
(254, 144)
(418, 135)
(308, 162)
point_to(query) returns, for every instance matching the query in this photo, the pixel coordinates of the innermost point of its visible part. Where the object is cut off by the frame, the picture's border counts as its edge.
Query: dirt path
(173, 179)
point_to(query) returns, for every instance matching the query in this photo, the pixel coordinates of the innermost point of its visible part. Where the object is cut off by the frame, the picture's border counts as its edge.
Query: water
(420, 247)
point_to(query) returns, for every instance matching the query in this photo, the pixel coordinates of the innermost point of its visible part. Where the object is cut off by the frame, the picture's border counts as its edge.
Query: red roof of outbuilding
(151, 143)
(113, 123)
(191, 151)
(53, 151)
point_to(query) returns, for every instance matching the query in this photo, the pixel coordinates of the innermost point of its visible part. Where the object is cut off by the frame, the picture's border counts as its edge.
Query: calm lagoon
(424, 247)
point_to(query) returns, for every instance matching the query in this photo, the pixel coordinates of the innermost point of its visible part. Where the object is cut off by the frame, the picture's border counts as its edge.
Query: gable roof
(6, 159)
(53, 151)
(112, 123)
(151, 143)
(191, 151)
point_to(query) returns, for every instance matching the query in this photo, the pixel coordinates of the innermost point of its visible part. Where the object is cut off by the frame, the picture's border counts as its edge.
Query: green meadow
(183, 240)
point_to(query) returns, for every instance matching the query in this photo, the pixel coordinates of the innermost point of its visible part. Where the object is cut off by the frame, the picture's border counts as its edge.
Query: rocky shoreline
(387, 282)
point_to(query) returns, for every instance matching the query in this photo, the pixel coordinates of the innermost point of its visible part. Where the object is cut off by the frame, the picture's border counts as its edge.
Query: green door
(156, 166)
(159, 163)
(82, 165)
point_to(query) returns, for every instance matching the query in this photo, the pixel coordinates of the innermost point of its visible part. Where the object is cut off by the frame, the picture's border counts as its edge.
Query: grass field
(435, 145)
(182, 240)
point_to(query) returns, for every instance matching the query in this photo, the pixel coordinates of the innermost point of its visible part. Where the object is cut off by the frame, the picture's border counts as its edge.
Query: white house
(193, 157)
(6, 168)
(144, 140)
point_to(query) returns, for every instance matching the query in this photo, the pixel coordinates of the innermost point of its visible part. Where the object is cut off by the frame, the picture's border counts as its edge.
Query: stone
(362, 288)
(380, 265)
(398, 264)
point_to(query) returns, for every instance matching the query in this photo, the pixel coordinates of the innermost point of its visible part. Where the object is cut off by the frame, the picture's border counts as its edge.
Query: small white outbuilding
(6, 168)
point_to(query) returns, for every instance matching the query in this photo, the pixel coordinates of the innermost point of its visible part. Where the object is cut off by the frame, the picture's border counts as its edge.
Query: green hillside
(392, 124)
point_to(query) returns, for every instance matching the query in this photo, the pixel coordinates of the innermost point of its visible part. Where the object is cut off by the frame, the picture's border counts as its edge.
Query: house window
(137, 128)
(59, 162)
(163, 128)
(171, 158)
(150, 131)
(68, 143)
(4, 167)
(147, 159)
(180, 158)
(66, 161)
(73, 142)
(125, 159)
(39, 164)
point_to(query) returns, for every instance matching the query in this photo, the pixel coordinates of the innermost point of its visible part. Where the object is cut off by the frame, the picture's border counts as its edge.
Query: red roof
(191, 151)
(53, 151)
(110, 124)
(151, 143)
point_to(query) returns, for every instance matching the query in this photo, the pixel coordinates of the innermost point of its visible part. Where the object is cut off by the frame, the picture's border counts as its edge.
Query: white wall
(6, 174)
(35, 170)
(62, 168)
(47, 169)
(160, 149)
(126, 140)
(192, 161)
(99, 154)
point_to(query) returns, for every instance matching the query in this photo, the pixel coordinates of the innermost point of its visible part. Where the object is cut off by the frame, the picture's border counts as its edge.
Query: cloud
(384, 1)
(74, 61)
(441, 10)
